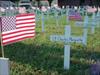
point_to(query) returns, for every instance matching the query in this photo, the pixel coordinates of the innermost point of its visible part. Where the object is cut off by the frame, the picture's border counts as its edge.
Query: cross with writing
(67, 39)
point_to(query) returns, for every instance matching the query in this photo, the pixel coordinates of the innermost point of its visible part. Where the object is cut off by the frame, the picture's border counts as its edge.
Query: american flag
(17, 28)
(73, 15)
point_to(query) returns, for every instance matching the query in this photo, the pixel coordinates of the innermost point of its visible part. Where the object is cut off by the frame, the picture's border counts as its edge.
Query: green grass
(40, 56)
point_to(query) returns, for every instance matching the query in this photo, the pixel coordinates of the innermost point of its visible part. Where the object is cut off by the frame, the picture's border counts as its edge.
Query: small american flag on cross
(73, 15)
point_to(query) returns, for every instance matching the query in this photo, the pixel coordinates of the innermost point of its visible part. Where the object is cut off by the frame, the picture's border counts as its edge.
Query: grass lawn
(40, 56)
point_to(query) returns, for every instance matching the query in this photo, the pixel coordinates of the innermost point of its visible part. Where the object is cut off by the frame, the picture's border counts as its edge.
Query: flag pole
(2, 49)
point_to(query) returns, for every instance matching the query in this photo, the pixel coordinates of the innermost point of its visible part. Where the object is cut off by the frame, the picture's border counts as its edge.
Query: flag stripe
(18, 30)
(21, 15)
(32, 33)
(24, 27)
(20, 33)
(24, 17)
(13, 41)
(17, 38)
(25, 23)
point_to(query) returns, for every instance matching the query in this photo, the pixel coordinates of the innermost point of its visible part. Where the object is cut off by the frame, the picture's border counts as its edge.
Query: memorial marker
(67, 39)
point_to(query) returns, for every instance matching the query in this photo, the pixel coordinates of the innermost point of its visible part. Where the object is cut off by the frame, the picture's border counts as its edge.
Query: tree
(50, 1)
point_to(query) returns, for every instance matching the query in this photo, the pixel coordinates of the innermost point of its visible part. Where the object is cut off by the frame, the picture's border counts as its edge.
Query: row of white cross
(67, 38)
(87, 22)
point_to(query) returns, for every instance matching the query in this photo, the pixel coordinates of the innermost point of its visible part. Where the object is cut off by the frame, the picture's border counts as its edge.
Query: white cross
(67, 11)
(67, 39)
(56, 17)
